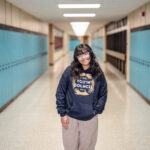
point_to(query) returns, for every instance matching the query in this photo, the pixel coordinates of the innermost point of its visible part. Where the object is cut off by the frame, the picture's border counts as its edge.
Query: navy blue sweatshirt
(82, 98)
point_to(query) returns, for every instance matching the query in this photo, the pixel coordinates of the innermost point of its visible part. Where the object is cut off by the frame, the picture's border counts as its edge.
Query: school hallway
(38, 40)
(31, 122)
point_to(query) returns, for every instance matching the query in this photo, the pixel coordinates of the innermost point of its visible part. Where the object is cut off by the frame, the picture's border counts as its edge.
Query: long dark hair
(76, 66)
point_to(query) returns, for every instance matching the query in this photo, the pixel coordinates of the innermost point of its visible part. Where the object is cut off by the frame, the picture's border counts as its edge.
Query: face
(84, 58)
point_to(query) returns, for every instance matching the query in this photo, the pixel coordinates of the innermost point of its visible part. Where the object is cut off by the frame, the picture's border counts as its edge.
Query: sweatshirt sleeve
(61, 93)
(102, 96)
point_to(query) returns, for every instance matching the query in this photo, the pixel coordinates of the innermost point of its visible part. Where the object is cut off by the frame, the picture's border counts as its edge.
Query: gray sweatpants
(80, 135)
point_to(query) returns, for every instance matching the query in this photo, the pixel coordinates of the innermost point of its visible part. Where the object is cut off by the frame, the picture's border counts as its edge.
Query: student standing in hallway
(81, 95)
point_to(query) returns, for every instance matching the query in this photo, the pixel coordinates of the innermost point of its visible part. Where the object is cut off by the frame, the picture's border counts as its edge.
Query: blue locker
(140, 61)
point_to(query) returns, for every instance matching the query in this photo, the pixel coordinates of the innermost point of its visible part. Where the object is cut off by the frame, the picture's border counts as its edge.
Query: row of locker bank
(21, 62)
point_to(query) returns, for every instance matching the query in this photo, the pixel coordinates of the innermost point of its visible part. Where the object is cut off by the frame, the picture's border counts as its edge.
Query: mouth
(86, 59)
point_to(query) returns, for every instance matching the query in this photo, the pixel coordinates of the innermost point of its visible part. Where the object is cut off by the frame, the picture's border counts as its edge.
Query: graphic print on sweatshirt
(84, 85)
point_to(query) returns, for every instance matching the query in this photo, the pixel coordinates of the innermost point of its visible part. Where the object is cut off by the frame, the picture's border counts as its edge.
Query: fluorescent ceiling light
(79, 5)
(80, 15)
(79, 27)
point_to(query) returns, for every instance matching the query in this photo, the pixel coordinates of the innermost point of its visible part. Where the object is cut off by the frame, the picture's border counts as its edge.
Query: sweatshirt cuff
(62, 115)
(95, 112)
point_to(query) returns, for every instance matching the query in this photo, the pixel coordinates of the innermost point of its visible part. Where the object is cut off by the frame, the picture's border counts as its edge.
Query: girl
(81, 95)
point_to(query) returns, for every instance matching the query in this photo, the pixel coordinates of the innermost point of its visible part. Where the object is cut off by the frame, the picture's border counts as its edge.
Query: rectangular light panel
(79, 5)
(80, 15)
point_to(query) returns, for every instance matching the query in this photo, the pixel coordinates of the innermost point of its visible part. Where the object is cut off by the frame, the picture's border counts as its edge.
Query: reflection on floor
(31, 122)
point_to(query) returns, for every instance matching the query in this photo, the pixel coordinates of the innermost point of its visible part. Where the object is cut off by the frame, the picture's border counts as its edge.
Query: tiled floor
(31, 122)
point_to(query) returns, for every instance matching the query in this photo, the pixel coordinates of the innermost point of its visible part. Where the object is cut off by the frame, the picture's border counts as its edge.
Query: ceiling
(48, 11)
